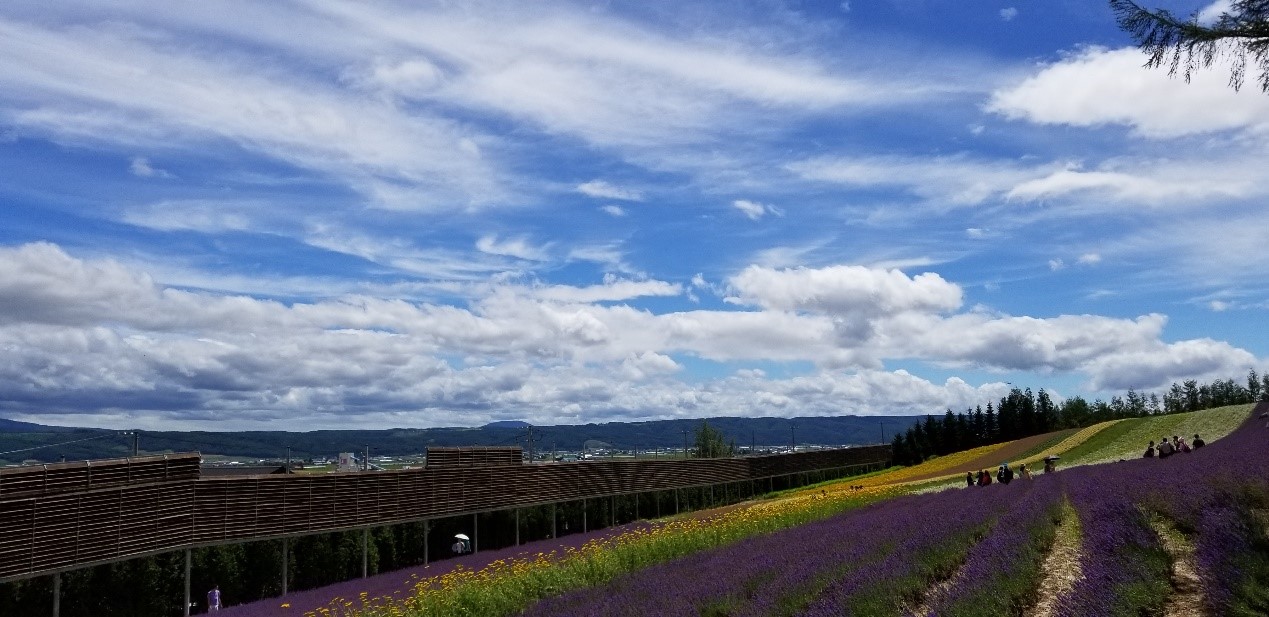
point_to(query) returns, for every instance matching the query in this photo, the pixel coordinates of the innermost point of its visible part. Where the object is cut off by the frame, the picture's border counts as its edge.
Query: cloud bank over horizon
(86, 338)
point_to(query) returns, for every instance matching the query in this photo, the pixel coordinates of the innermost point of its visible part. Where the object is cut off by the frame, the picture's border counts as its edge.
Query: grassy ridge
(1128, 438)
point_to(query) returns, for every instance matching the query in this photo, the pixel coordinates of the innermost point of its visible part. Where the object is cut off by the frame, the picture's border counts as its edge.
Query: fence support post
(426, 525)
(584, 529)
(636, 498)
(517, 526)
(57, 594)
(365, 552)
(475, 534)
(553, 534)
(676, 501)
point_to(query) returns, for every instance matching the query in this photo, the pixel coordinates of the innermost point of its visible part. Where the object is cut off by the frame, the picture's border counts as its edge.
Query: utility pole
(793, 436)
(288, 459)
(685, 443)
(136, 442)
(530, 428)
(753, 442)
(365, 461)
(883, 431)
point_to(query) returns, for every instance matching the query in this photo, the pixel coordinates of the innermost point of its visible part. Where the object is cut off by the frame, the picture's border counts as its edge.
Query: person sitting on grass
(1198, 442)
(1024, 472)
(1165, 449)
(1149, 450)
(1005, 475)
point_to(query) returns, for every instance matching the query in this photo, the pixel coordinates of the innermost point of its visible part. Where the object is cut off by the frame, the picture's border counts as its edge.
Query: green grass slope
(1128, 439)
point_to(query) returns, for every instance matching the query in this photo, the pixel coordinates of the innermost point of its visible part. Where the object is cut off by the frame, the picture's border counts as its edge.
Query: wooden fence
(65, 519)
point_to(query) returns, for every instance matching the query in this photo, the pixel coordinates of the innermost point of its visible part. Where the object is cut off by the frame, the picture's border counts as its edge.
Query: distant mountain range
(26, 441)
(13, 426)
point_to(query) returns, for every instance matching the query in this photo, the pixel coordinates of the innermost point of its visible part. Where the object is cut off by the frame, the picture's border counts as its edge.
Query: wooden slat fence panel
(51, 520)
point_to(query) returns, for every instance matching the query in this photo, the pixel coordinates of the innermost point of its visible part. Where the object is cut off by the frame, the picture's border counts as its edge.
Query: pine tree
(1174, 400)
(933, 437)
(899, 452)
(948, 439)
(1192, 399)
(1240, 34)
(978, 434)
(962, 433)
(1046, 412)
(992, 432)
(1007, 416)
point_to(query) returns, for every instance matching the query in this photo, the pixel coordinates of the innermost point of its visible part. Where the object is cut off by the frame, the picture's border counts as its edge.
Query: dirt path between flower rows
(1186, 599)
(935, 593)
(1061, 566)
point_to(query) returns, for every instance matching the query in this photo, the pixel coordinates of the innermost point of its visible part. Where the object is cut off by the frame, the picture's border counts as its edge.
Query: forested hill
(79, 444)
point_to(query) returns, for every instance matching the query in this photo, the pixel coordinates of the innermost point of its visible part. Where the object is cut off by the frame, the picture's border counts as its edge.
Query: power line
(54, 445)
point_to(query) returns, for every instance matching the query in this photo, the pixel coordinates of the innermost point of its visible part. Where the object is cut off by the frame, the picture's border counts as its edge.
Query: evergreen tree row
(1022, 413)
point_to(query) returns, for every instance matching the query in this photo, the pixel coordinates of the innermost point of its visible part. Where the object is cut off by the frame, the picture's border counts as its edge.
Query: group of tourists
(1004, 475)
(1176, 446)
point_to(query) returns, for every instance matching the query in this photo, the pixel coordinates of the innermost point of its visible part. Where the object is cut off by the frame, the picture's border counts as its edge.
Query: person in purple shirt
(213, 599)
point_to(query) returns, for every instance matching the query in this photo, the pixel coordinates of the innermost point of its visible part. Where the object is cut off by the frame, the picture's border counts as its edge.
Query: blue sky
(319, 214)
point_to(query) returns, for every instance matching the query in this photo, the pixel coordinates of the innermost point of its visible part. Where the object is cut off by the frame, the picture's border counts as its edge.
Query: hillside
(1127, 439)
(80, 444)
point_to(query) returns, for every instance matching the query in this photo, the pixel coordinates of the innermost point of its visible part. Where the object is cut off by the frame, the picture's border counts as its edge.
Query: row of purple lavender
(982, 549)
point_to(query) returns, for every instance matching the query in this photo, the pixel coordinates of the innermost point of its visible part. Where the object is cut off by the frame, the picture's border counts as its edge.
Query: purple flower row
(1124, 565)
(1001, 572)
(886, 555)
(781, 572)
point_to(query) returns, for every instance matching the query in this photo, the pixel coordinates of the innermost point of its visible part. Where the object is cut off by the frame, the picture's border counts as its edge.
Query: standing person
(1198, 442)
(213, 599)
(457, 547)
(1181, 446)
(1149, 450)
(1165, 448)
(969, 478)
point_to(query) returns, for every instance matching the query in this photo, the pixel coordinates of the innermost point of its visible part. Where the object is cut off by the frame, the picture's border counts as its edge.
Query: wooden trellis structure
(60, 517)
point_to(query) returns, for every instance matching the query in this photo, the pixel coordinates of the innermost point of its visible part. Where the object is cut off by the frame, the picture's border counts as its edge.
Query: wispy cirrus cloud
(106, 85)
(753, 210)
(604, 190)
(520, 248)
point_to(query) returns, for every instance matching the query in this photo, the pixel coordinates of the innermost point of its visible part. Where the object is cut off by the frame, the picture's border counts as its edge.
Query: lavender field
(979, 551)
